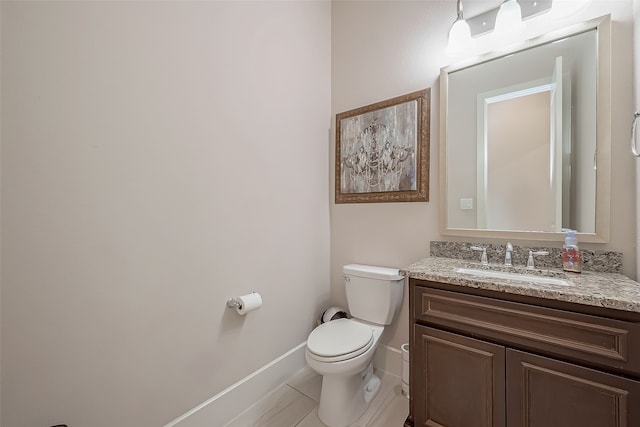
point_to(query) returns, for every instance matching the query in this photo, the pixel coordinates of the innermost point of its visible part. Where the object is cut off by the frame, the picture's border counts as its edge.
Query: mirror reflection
(520, 135)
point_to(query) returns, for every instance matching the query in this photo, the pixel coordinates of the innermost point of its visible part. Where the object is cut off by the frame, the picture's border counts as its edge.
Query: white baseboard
(389, 360)
(227, 404)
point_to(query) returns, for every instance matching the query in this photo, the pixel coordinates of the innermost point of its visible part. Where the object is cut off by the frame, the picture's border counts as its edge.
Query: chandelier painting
(378, 150)
(376, 161)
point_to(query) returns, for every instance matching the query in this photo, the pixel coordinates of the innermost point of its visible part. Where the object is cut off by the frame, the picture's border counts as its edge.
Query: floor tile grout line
(302, 392)
(286, 407)
(386, 402)
(255, 404)
(300, 421)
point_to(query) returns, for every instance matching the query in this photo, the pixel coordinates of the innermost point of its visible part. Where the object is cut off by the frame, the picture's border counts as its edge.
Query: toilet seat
(339, 340)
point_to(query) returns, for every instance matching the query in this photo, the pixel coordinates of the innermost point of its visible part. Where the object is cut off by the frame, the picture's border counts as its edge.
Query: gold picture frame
(382, 151)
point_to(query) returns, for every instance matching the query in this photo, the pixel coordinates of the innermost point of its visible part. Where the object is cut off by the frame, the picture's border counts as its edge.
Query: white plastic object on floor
(405, 370)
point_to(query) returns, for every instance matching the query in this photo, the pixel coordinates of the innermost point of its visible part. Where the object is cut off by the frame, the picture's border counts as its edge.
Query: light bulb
(460, 40)
(509, 19)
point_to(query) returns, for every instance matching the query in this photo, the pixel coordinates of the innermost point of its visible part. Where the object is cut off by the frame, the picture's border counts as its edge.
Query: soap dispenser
(571, 260)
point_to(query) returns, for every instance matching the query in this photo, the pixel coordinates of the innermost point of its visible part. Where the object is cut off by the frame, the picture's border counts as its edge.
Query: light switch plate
(466, 204)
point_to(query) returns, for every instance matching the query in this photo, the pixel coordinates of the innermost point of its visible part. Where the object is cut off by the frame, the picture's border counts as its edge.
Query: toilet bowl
(342, 350)
(345, 363)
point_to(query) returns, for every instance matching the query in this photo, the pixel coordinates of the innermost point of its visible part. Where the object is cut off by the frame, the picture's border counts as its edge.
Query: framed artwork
(382, 151)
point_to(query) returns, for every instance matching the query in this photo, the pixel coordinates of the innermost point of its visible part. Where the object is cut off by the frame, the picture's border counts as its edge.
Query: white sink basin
(528, 278)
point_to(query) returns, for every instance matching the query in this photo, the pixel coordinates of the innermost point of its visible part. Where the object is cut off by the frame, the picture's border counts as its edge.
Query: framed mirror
(526, 139)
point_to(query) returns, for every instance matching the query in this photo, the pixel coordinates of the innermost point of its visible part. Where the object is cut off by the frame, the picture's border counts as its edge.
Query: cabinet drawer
(599, 340)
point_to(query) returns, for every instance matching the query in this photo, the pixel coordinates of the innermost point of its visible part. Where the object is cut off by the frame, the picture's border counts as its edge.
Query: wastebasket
(405, 370)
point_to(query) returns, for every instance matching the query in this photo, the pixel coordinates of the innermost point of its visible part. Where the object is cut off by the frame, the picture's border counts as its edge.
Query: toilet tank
(374, 293)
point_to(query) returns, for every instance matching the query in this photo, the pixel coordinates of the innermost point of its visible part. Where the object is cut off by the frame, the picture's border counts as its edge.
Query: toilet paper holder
(236, 302)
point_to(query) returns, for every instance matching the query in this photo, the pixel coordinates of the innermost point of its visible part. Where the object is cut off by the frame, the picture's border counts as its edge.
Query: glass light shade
(509, 19)
(460, 40)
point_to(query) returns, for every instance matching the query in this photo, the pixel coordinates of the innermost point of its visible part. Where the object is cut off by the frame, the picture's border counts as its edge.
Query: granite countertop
(610, 290)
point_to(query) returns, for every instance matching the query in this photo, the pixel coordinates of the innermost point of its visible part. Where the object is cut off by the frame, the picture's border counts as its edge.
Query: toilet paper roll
(249, 302)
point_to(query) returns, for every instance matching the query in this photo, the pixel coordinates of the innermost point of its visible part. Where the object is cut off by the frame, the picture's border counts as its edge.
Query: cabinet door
(543, 392)
(459, 380)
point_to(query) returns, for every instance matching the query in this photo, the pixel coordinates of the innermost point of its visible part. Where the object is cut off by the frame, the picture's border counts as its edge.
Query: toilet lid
(339, 337)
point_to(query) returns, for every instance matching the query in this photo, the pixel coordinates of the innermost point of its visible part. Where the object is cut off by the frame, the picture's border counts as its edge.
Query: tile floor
(295, 404)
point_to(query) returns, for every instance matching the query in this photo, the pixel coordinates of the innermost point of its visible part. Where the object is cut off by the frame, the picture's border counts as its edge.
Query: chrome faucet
(507, 255)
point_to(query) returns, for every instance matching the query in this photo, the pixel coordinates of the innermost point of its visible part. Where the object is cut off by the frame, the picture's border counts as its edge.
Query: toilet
(342, 350)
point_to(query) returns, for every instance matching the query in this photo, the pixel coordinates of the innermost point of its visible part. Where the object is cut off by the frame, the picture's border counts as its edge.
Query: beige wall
(0, 220)
(384, 49)
(636, 107)
(157, 159)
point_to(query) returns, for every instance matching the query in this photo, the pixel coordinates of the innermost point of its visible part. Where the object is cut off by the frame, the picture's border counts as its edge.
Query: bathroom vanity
(496, 352)
(493, 346)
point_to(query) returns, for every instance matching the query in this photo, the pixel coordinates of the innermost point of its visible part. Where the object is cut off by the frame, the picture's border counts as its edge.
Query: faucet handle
(483, 257)
(530, 262)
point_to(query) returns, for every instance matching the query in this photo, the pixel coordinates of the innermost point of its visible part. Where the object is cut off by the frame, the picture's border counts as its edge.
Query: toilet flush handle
(346, 278)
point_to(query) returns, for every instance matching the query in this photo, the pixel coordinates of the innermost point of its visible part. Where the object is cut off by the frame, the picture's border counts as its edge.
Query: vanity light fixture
(460, 39)
(502, 22)
(485, 22)
(508, 20)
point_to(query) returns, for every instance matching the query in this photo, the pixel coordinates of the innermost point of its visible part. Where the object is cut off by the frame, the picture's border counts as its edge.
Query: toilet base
(344, 399)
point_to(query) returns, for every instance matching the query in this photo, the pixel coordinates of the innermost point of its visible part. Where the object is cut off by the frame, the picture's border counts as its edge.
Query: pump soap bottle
(571, 260)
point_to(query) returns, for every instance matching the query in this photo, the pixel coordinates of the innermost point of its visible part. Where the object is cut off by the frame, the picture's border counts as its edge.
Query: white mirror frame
(603, 131)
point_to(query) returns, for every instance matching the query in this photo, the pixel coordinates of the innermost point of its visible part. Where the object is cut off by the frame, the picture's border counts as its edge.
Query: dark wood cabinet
(483, 360)
(462, 383)
(543, 392)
